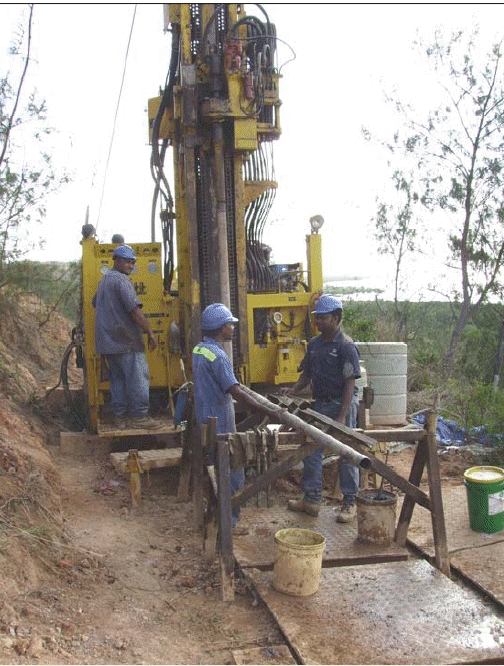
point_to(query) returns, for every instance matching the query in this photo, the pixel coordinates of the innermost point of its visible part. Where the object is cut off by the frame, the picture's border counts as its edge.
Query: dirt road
(132, 585)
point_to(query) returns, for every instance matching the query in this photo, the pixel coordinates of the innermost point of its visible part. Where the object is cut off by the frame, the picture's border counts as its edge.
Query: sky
(346, 56)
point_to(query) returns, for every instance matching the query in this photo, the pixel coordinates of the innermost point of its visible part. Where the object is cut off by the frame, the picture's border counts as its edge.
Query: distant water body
(374, 288)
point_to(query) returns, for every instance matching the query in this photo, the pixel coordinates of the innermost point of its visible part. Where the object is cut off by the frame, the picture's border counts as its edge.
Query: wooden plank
(197, 476)
(415, 477)
(186, 463)
(210, 518)
(152, 459)
(134, 469)
(106, 429)
(210, 535)
(398, 435)
(226, 558)
(340, 432)
(437, 514)
(396, 480)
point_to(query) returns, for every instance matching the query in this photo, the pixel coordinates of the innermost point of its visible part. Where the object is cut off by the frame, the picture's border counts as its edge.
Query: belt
(328, 398)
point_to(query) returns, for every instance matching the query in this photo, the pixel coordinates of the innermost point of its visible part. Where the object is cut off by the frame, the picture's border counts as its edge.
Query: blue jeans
(129, 383)
(311, 482)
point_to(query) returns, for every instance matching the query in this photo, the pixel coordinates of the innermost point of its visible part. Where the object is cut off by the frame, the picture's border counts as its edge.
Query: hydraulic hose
(66, 389)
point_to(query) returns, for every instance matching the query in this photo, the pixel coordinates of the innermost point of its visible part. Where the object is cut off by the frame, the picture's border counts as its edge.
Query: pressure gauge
(277, 318)
(316, 222)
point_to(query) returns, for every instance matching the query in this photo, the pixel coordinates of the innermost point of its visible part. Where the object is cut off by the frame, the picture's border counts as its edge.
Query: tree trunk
(465, 315)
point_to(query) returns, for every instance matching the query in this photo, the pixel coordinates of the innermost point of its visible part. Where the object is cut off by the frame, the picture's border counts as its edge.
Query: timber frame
(212, 514)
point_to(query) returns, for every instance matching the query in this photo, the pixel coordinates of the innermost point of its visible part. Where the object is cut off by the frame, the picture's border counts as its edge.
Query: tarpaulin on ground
(450, 433)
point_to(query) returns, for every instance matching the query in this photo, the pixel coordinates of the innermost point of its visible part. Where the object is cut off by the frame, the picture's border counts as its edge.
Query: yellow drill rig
(218, 115)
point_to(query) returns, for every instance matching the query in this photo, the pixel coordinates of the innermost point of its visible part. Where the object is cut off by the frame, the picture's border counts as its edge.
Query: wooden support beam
(362, 443)
(437, 514)
(210, 534)
(398, 481)
(210, 524)
(415, 477)
(185, 473)
(146, 460)
(272, 475)
(413, 435)
(134, 470)
(197, 476)
(340, 432)
(186, 442)
(135, 462)
(226, 558)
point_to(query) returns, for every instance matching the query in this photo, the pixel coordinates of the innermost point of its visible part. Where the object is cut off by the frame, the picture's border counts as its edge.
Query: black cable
(157, 164)
(266, 15)
(64, 380)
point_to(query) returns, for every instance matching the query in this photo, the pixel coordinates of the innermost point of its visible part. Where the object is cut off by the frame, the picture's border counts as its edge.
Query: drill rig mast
(218, 114)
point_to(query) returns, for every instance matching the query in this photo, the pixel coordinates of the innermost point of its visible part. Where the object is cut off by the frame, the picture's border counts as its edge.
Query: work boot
(144, 423)
(347, 513)
(303, 506)
(120, 422)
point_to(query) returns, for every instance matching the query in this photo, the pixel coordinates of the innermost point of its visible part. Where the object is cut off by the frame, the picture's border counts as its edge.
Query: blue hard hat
(216, 315)
(124, 251)
(327, 304)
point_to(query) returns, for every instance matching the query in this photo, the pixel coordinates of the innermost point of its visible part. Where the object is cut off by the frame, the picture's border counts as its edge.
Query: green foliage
(26, 173)
(57, 284)
(474, 405)
(356, 325)
(426, 329)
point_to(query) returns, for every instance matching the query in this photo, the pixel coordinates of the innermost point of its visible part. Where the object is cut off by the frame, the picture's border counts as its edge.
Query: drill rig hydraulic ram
(218, 115)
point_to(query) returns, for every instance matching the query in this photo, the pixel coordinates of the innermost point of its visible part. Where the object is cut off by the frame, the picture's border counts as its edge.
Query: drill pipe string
(313, 432)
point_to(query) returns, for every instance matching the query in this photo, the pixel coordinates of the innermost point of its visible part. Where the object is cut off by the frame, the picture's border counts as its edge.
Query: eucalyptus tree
(454, 165)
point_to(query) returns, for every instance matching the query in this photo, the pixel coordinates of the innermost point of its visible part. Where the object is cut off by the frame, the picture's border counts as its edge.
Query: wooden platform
(108, 429)
(152, 459)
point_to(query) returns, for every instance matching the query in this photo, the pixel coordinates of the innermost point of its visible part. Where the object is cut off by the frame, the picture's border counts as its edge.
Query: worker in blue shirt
(215, 384)
(331, 366)
(119, 328)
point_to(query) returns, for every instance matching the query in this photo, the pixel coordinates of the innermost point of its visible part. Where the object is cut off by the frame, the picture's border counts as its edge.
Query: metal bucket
(376, 516)
(485, 498)
(298, 561)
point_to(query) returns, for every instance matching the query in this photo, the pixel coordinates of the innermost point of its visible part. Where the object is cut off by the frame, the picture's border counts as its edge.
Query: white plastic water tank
(386, 366)
(362, 382)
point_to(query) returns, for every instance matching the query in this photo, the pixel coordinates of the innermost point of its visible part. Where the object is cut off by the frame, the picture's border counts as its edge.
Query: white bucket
(298, 561)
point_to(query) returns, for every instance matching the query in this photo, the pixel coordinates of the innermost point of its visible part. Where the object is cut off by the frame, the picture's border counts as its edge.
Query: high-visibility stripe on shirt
(209, 355)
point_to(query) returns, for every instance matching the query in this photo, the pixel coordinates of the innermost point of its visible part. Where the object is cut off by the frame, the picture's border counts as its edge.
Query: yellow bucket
(298, 561)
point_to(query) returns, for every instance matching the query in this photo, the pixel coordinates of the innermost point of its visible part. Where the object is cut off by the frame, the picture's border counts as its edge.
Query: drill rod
(316, 435)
